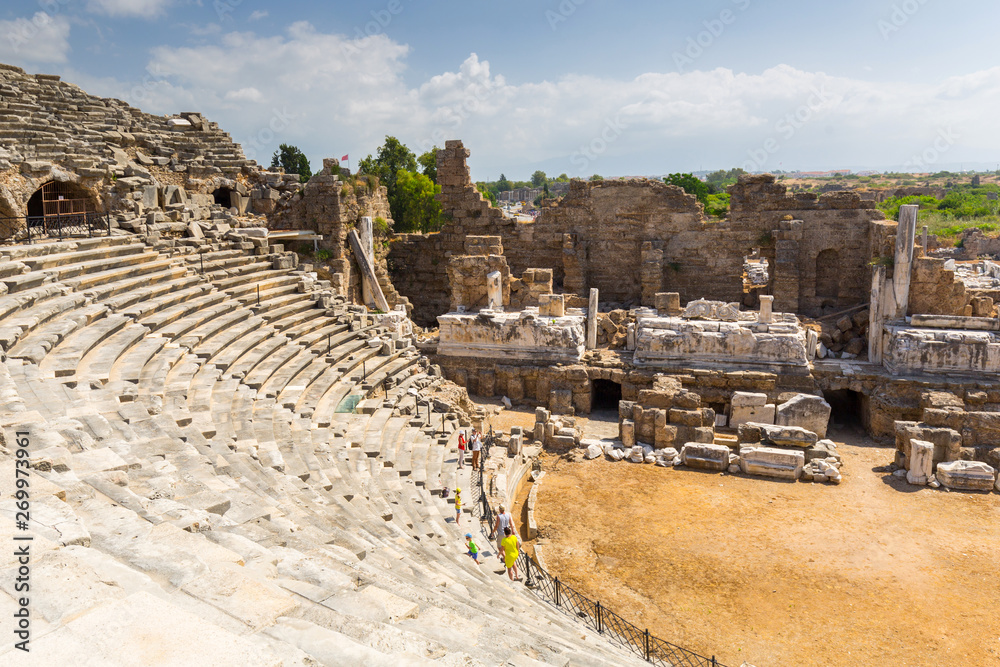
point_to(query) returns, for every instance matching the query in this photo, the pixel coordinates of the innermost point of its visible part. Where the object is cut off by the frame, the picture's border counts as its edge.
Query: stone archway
(59, 198)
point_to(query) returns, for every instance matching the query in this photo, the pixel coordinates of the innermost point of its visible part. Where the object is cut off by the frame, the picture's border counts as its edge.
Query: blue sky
(574, 86)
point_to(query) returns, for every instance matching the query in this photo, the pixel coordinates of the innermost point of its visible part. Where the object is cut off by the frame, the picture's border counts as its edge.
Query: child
(473, 549)
(511, 549)
(458, 506)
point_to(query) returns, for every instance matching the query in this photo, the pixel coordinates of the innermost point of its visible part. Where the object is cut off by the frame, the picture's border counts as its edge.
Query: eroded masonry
(243, 448)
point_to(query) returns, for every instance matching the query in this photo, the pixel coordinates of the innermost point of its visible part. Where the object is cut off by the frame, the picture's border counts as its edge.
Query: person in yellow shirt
(511, 549)
(458, 506)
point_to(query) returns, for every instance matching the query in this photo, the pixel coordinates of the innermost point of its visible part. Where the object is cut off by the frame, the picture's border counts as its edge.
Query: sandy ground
(776, 573)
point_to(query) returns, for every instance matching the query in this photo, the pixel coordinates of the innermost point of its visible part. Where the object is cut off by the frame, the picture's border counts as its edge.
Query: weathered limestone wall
(524, 335)
(633, 239)
(935, 289)
(332, 207)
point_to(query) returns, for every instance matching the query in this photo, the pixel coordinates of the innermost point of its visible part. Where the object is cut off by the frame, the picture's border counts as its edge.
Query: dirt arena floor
(871, 572)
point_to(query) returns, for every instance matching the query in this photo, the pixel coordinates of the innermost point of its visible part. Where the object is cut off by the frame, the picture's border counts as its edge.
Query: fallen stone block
(705, 456)
(762, 414)
(771, 462)
(784, 436)
(921, 462)
(809, 412)
(967, 475)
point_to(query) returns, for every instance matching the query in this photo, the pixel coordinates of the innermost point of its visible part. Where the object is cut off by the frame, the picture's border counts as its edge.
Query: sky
(579, 87)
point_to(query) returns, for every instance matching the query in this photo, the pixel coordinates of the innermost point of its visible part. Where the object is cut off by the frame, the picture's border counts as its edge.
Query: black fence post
(645, 639)
(600, 624)
(59, 223)
(328, 348)
(107, 217)
(27, 226)
(90, 225)
(713, 661)
(557, 592)
(258, 305)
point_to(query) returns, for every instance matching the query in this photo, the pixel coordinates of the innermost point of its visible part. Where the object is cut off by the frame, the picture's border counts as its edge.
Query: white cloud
(331, 94)
(41, 39)
(258, 15)
(146, 9)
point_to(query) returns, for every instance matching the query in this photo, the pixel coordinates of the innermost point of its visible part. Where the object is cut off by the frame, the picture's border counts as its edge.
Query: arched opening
(223, 197)
(847, 408)
(828, 272)
(57, 199)
(605, 395)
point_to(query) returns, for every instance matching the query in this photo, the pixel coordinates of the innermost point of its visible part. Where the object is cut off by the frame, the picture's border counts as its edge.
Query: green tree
(597, 177)
(419, 211)
(503, 185)
(691, 185)
(292, 160)
(391, 158)
(428, 164)
(538, 179)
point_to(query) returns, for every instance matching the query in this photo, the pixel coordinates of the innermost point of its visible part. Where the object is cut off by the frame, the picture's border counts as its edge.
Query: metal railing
(32, 228)
(592, 613)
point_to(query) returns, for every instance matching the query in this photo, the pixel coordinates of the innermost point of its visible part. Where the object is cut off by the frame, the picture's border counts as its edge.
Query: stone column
(592, 320)
(494, 290)
(766, 301)
(367, 238)
(903, 263)
(881, 292)
(924, 243)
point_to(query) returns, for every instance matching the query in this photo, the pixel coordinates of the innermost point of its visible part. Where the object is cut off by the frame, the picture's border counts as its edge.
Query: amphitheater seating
(199, 490)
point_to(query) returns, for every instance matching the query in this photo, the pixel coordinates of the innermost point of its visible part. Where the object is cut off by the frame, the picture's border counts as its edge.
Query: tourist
(511, 549)
(473, 549)
(458, 505)
(461, 450)
(504, 521)
(477, 445)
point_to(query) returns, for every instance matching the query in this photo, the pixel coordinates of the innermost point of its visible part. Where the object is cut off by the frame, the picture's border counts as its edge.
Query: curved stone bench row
(196, 481)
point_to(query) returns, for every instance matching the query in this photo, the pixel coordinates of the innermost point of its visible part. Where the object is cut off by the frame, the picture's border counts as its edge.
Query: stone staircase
(226, 478)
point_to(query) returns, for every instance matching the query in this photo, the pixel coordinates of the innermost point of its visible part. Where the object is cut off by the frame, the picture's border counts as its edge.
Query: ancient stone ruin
(242, 448)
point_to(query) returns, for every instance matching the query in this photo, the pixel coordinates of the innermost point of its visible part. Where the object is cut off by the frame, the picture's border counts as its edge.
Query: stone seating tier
(194, 485)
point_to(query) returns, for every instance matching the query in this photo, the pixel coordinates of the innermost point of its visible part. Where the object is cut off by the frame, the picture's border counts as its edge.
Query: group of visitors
(473, 443)
(507, 540)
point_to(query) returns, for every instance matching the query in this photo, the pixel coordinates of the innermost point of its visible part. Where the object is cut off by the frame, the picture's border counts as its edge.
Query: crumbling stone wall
(632, 239)
(333, 207)
(935, 290)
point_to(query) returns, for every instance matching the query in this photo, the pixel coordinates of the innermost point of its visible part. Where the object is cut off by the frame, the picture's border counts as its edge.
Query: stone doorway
(223, 197)
(848, 409)
(58, 198)
(605, 395)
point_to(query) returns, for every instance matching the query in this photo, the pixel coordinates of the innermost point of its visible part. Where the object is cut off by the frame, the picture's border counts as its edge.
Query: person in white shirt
(504, 520)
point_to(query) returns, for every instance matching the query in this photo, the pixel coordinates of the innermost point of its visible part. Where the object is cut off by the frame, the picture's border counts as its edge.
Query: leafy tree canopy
(419, 211)
(428, 164)
(691, 185)
(390, 159)
(538, 179)
(292, 160)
